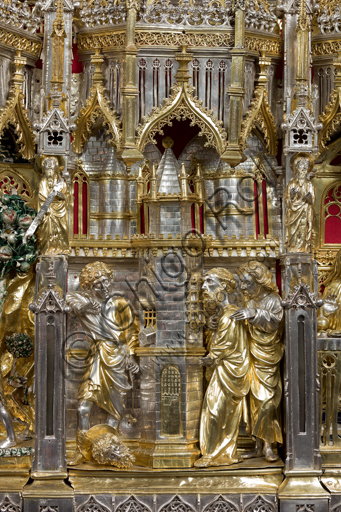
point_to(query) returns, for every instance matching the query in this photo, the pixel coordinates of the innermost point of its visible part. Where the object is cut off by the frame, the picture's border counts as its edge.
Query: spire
(168, 170)
(58, 36)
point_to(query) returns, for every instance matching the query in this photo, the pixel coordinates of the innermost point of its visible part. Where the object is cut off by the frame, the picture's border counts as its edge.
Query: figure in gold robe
(264, 315)
(53, 229)
(113, 334)
(300, 208)
(228, 357)
(329, 319)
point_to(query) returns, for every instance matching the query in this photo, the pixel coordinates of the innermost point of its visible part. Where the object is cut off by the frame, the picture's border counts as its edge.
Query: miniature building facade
(170, 297)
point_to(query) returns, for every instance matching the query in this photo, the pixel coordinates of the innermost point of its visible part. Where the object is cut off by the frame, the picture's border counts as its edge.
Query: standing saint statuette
(300, 207)
(54, 229)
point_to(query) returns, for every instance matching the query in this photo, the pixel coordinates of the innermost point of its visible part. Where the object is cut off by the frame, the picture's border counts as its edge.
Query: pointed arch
(92, 505)
(331, 118)
(260, 116)
(97, 105)
(182, 105)
(15, 114)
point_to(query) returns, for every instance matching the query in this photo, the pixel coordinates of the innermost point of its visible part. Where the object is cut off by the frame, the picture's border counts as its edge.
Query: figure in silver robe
(113, 334)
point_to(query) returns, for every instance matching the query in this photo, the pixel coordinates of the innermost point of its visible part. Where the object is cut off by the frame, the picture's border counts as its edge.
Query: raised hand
(330, 305)
(206, 361)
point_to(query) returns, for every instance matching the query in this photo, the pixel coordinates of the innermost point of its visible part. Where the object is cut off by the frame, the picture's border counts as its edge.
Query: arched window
(221, 89)
(81, 197)
(156, 82)
(195, 76)
(171, 390)
(168, 77)
(142, 87)
(208, 84)
(331, 215)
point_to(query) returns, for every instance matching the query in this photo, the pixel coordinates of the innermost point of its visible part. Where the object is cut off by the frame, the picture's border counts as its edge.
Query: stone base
(301, 492)
(48, 495)
(167, 454)
(255, 476)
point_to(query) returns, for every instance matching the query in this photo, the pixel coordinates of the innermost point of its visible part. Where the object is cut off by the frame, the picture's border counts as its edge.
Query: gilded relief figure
(300, 207)
(54, 229)
(228, 357)
(264, 316)
(330, 313)
(113, 334)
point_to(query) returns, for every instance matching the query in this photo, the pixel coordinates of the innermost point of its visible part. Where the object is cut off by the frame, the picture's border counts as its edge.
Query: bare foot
(257, 452)
(226, 461)
(269, 454)
(76, 459)
(7, 443)
(204, 462)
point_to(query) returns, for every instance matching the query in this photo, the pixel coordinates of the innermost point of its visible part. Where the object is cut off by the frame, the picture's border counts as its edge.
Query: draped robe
(113, 335)
(299, 216)
(223, 403)
(53, 229)
(266, 351)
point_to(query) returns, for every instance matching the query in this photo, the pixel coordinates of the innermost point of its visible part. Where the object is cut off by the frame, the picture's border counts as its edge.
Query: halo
(60, 158)
(308, 156)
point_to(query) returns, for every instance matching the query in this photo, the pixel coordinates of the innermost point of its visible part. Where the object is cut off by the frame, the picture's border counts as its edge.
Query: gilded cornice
(14, 112)
(209, 38)
(256, 43)
(108, 39)
(97, 105)
(143, 244)
(328, 46)
(26, 42)
(204, 39)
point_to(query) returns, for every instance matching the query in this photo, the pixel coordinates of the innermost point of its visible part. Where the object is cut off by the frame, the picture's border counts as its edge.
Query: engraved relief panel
(220, 504)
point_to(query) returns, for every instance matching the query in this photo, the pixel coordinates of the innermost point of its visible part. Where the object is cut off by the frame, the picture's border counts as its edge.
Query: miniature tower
(171, 378)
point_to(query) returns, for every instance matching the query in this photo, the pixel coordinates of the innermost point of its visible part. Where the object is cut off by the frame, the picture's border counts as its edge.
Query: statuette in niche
(300, 207)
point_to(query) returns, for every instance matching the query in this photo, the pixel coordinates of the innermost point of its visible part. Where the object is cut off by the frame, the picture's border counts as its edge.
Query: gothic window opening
(328, 84)
(208, 84)
(156, 82)
(54, 138)
(195, 76)
(8, 183)
(321, 75)
(115, 83)
(168, 77)
(142, 88)
(149, 318)
(221, 90)
(331, 216)
(171, 389)
(81, 205)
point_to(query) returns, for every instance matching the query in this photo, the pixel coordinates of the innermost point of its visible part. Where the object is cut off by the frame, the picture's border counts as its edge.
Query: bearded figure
(263, 317)
(54, 229)
(300, 208)
(228, 359)
(113, 333)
